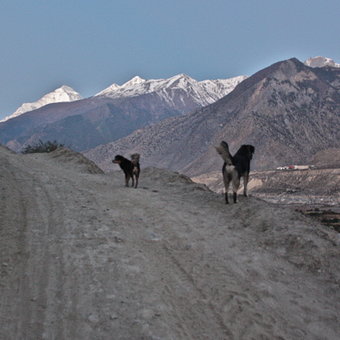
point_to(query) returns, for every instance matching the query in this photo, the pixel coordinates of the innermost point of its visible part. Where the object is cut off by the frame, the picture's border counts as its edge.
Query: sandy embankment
(83, 257)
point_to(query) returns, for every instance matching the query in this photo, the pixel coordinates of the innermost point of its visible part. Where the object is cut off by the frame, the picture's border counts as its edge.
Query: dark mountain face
(87, 123)
(288, 111)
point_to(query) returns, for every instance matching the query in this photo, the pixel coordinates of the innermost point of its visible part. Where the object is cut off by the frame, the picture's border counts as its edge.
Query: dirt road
(83, 257)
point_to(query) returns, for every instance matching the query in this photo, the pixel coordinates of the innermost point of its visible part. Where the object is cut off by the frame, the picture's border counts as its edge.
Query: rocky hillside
(113, 113)
(329, 158)
(288, 111)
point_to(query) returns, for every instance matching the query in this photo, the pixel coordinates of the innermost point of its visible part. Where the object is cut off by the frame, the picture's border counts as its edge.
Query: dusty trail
(83, 257)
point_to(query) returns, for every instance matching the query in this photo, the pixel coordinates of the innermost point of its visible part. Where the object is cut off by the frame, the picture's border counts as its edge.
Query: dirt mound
(74, 160)
(165, 175)
(6, 149)
(84, 257)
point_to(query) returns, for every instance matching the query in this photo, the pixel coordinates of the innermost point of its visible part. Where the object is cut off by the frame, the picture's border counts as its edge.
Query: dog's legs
(133, 181)
(236, 185)
(245, 184)
(226, 181)
(135, 174)
(235, 197)
(127, 178)
(226, 197)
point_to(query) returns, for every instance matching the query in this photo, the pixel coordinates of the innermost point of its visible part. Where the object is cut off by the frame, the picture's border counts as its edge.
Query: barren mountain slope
(288, 111)
(83, 257)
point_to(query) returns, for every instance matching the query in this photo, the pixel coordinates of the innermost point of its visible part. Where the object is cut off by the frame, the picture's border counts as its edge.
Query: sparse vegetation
(42, 147)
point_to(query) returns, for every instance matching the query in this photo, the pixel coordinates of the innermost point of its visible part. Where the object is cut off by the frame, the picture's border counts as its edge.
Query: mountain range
(288, 111)
(112, 113)
(215, 89)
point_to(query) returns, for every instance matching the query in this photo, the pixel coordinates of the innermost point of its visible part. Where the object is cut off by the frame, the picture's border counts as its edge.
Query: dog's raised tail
(223, 151)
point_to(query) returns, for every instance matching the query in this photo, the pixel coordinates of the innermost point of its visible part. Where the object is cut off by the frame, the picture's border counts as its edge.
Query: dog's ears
(251, 150)
(224, 144)
(135, 156)
(247, 148)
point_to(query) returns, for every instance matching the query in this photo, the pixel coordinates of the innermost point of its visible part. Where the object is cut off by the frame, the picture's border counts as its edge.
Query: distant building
(295, 167)
(301, 167)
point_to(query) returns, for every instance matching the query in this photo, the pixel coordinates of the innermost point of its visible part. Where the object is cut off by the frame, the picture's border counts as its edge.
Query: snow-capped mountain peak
(321, 62)
(179, 87)
(204, 92)
(61, 94)
(134, 81)
(112, 88)
(180, 80)
(129, 88)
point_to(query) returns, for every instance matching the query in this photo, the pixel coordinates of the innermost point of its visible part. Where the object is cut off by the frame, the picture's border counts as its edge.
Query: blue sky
(90, 44)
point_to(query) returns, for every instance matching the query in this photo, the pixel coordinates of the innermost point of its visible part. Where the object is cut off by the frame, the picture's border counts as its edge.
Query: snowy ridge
(321, 62)
(61, 94)
(203, 92)
(174, 89)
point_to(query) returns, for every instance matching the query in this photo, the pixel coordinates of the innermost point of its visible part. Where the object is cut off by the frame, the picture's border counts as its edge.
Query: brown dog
(131, 168)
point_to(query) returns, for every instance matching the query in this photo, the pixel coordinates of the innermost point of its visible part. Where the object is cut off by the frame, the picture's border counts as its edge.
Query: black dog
(131, 168)
(235, 167)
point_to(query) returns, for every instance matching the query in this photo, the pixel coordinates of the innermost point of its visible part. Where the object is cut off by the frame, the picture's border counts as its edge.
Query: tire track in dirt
(67, 240)
(224, 301)
(38, 202)
(191, 313)
(39, 225)
(13, 254)
(51, 294)
(201, 295)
